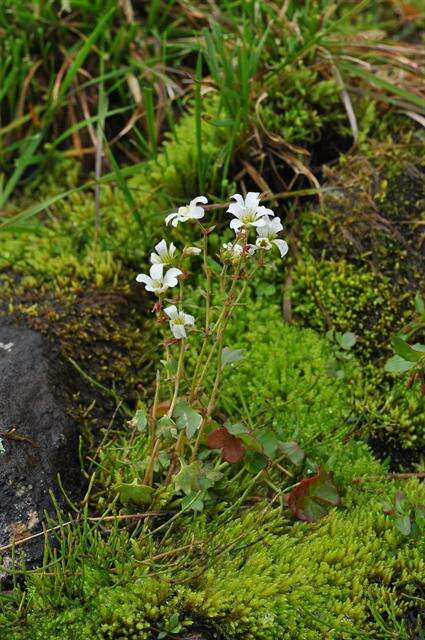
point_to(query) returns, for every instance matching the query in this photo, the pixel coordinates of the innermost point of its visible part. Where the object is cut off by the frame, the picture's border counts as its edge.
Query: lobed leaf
(310, 499)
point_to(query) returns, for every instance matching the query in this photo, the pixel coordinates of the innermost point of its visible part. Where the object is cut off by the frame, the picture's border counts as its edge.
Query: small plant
(409, 356)
(409, 518)
(189, 445)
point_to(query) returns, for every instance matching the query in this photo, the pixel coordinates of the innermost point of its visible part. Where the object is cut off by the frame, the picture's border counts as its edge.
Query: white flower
(248, 212)
(267, 236)
(191, 212)
(164, 254)
(191, 251)
(236, 250)
(178, 321)
(157, 281)
(6, 347)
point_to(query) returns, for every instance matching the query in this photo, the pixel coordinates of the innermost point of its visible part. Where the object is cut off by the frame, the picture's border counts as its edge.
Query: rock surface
(38, 437)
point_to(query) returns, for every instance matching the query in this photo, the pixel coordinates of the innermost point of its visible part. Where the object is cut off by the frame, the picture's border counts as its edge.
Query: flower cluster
(247, 212)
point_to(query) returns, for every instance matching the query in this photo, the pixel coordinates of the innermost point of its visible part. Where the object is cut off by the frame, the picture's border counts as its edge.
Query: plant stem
(155, 405)
(208, 287)
(198, 380)
(177, 379)
(148, 479)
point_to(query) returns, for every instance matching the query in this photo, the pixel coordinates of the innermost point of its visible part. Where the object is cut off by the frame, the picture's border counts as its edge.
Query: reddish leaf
(217, 438)
(310, 499)
(232, 449)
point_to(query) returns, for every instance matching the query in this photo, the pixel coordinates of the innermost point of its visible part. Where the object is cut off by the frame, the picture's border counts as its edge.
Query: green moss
(290, 382)
(357, 269)
(337, 294)
(307, 582)
(300, 105)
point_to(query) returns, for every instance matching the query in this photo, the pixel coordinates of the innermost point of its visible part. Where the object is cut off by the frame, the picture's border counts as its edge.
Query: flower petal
(252, 200)
(188, 319)
(197, 213)
(239, 199)
(171, 311)
(282, 246)
(276, 225)
(170, 278)
(201, 199)
(236, 224)
(178, 330)
(161, 248)
(142, 277)
(156, 271)
(263, 211)
(236, 209)
(174, 272)
(170, 218)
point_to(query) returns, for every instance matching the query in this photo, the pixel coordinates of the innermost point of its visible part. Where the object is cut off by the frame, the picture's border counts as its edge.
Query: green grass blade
(84, 51)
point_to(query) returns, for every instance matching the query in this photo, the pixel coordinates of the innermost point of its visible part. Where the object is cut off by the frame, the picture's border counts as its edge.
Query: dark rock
(38, 437)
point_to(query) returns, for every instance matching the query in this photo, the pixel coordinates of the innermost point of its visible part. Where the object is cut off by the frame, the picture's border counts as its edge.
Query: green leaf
(237, 428)
(166, 424)
(404, 524)
(139, 420)
(254, 462)
(293, 451)
(187, 418)
(193, 501)
(420, 515)
(138, 494)
(229, 357)
(187, 479)
(209, 478)
(269, 442)
(420, 304)
(400, 501)
(346, 340)
(396, 364)
(251, 442)
(374, 79)
(84, 51)
(405, 351)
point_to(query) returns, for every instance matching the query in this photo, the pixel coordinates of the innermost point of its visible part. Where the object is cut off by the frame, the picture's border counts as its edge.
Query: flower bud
(191, 251)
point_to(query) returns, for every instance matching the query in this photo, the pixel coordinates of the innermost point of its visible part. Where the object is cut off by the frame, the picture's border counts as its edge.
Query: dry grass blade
(415, 116)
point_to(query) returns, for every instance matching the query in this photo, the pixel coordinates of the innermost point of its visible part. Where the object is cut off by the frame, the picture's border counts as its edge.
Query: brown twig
(390, 476)
(130, 516)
